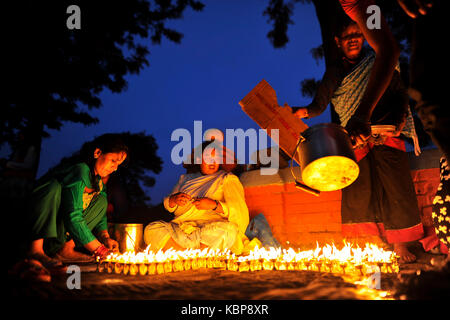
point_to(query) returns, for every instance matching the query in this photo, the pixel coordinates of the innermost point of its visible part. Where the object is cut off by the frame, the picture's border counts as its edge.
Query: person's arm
(415, 8)
(72, 208)
(387, 53)
(171, 202)
(105, 238)
(322, 98)
(234, 206)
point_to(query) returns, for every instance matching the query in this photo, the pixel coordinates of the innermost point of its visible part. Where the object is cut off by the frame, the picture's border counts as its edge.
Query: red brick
(431, 174)
(264, 200)
(317, 207)
(333, 227)
(264, 190)
(425, 200)
(291, 189)
(426, 187)
(315, 218)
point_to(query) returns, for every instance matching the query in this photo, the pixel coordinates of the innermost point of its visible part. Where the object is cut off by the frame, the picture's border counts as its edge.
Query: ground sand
(214, 284)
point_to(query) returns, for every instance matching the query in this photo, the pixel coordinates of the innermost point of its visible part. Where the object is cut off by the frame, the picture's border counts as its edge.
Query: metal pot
(327, 158)
(130, 236)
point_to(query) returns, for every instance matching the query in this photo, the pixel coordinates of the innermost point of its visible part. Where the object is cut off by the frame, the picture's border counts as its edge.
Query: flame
(349, 260)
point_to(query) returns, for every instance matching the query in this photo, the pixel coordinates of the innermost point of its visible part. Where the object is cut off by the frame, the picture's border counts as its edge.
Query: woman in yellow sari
(209, 208)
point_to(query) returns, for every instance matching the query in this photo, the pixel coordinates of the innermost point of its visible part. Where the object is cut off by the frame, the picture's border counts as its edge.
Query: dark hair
(107, 143)
(194, 167)
(343, 23)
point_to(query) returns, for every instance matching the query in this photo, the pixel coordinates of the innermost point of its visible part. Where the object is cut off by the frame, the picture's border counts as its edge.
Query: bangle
(217, 204)
(104, 237)
(101, 252)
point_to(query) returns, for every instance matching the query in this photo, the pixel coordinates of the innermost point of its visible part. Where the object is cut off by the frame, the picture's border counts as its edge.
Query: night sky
(224, 53)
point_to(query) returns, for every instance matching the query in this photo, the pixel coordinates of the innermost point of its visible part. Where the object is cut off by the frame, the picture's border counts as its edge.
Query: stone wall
(300, 219)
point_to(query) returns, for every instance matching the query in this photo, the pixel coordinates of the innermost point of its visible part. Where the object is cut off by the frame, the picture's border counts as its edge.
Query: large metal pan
(326, 156)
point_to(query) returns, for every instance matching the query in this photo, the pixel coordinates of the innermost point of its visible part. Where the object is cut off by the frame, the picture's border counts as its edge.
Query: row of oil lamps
(326, 259)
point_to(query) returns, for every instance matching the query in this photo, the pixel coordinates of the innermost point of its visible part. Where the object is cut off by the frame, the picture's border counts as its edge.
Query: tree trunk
(329, 13)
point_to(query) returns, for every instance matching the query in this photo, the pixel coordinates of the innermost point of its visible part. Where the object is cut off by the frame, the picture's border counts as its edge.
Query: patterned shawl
(347, 97)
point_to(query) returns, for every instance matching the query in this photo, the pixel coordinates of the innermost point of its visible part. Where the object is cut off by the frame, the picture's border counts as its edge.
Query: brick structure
(300, 219)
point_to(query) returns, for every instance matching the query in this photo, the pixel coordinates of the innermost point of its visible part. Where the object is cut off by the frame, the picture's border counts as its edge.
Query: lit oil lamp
(210, 262)
(307, 264)
(201, 262)
(118, 267)
(232, 264)
(178, 265)
(187, 264)
(328, 258)
(243, 265)
(316, 265)
(102, 265)
(290, 266)
(160, 268)
(194, 264)
(217, 263)
(168, 267)
(143, 268)
(110, 267)
(134, 269)
(268, 264)
(343, 266)
(329, 264)
(255, 265)
(126, 268)
(151, 268)
(280, 265)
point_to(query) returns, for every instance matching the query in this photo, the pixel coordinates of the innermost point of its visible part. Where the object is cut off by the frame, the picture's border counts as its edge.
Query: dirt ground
(414, 281)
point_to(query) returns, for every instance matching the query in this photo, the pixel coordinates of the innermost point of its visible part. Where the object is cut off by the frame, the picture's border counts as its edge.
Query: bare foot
(402, 251)
(68, 253)
(44, 259)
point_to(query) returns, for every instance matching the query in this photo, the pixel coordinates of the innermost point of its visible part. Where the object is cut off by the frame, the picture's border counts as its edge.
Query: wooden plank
(261, 105)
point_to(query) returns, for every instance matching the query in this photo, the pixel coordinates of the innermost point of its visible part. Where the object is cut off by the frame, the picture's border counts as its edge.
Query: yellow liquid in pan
(330, 173)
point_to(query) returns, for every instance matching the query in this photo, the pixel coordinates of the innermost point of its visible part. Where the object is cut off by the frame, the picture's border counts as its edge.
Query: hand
(300, 112)
(414, 8)
(101, 252)
(179, 199)
(111, 244)
(359, 131)
(204, 203)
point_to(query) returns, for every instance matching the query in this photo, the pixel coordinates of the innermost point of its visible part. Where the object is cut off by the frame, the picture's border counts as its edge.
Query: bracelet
(101, 252)
(217, 204)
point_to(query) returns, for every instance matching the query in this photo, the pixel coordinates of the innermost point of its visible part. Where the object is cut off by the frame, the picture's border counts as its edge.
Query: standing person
(428, 89)
(382, 200)
(387, 52)
(68, 208)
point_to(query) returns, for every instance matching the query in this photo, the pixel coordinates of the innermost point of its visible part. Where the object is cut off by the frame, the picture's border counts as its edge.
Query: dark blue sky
(223, 55)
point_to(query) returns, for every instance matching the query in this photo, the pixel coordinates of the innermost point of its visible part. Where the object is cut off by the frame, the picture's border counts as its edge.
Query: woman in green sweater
(69, 206)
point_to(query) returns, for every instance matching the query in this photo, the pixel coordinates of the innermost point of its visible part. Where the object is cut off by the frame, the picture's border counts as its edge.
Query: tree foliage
(133, 175)
(55, 75)
(329, 14)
